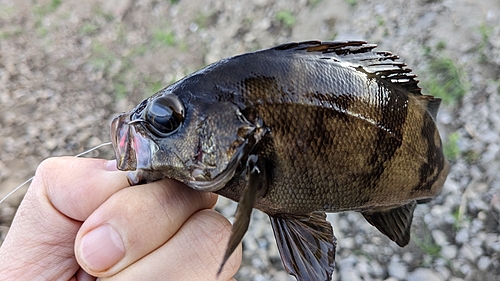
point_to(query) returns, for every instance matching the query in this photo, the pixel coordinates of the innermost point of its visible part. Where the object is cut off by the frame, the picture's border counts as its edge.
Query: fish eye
(165, 115)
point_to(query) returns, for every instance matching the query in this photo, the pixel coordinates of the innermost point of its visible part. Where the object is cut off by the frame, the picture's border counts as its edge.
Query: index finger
(76, 187)
(64, 192)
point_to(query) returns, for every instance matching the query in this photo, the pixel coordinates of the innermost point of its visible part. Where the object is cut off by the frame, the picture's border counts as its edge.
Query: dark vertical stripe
(394, 109)
(430, 170)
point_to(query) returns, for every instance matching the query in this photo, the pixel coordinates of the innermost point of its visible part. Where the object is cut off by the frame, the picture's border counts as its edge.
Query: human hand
(80, 215)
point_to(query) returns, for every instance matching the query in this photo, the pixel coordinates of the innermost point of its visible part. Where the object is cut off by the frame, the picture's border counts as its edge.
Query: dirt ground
(68, 67)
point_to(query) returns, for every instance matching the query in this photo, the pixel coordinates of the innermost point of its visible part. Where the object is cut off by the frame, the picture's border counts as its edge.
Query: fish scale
(295, 131)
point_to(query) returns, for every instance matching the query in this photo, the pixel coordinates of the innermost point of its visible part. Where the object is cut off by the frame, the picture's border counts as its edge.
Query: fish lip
(132, 149)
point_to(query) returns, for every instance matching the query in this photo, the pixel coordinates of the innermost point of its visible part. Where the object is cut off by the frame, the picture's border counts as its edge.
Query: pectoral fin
(306, 244)
(395, 223)
(257, 185)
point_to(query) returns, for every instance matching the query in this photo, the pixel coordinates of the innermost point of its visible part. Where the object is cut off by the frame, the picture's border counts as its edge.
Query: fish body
(295, 131)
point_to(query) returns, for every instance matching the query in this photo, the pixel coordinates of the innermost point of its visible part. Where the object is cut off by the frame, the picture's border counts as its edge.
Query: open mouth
(132, 149)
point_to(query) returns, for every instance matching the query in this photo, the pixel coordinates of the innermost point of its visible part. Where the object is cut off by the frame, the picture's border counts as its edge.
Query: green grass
(286, 18)
(471, 156)
(485, 32)
(88, 28)
(445, 80)
(458, 217)
(48, 8)
(380, 20)
(120, 90)
(202, 20)
(41, 12)
(7, 12)
(451, 149)
(102, 58)
(10, 33)
(427, 244)
(352, 3)
(314, 2)
(164, 37)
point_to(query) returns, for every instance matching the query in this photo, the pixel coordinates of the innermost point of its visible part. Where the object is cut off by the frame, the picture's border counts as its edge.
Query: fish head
(181, 135)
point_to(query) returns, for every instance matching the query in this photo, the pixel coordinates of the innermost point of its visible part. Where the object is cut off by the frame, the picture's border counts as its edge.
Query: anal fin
(395, 223)
(306, 244)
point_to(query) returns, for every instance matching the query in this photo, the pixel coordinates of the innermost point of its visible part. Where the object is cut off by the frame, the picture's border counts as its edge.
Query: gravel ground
(67, 67)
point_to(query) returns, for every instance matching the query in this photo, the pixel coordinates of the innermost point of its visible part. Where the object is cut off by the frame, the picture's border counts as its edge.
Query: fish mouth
(133, 150)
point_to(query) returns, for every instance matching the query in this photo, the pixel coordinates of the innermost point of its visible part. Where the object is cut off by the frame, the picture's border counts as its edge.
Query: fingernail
(101, 248)
(111, 165)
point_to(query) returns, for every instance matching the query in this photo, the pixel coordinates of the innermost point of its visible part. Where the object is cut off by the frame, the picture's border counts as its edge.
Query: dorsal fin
(362, 57)
(431, 105)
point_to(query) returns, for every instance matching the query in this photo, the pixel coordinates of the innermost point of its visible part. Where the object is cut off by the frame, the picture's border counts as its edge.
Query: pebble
(348, 242)
(462, 236)
(349, 274)
(468, 252)
(483, 263)
(439, 237)
(449, 252)
(347, 262)
(443, 271)
(398, 270)
(424, 274)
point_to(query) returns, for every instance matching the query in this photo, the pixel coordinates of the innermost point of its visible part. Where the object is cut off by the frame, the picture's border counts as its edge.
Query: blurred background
(67, 67)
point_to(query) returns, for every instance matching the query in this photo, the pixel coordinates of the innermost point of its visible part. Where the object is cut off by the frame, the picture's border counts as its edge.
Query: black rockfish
(295, 131)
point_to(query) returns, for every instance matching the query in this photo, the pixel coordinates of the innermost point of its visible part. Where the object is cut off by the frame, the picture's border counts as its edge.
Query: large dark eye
(165, 115)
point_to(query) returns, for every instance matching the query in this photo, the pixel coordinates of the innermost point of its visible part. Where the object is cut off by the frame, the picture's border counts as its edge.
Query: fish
(295, 131)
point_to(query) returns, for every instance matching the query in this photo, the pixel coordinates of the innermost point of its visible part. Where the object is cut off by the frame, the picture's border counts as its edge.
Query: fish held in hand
(295, 131)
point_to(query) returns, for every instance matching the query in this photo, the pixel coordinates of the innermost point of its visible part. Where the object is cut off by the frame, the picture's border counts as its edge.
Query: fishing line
(30, 179)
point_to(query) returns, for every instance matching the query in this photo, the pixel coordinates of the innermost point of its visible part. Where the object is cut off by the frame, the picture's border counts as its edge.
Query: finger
(77, 186)
(195, 252)
(134, 222)
(81, 275)
(62, 194)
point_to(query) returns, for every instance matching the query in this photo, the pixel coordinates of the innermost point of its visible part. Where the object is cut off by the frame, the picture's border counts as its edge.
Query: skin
(63, 229)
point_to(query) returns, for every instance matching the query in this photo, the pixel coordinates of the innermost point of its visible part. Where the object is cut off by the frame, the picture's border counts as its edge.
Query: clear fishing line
(30, 179)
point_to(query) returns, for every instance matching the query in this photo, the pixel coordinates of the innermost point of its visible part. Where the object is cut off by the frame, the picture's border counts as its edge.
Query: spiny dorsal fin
(362, 57)
(395, 223)
(431, 105)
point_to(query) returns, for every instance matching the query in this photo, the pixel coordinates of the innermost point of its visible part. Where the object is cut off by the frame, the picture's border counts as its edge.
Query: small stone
(462, 236)
(398, 270)
(443, 271)
(347, 262)
(259, 277)
(282, 275)
(347, 243)
(439, 237)
(377, 270)
(421, 274)
(407, 257)
(495, 246)
(483, 263)
(349, 274)
(449, 251)
(468, 252)
(465, 269)
(362, 268)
